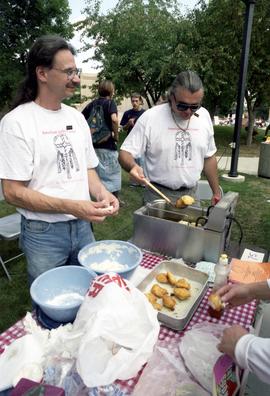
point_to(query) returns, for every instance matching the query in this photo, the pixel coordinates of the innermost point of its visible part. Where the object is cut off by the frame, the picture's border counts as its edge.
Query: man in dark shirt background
(130, 116)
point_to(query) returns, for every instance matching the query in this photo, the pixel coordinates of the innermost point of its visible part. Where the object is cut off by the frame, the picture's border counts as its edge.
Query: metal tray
(184, 310)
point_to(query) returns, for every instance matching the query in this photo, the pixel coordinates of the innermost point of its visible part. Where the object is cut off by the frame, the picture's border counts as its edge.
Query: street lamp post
(250, 4)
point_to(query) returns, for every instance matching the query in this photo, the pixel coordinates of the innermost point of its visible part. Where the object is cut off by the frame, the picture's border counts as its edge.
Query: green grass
(224, 136)
(253, 213)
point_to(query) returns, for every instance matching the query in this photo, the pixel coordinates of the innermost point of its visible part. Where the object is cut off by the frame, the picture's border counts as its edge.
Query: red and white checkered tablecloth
(242, 315)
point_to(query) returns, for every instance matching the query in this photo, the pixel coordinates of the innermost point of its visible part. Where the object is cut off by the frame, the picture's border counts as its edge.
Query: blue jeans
(50, 245)
(109, 169)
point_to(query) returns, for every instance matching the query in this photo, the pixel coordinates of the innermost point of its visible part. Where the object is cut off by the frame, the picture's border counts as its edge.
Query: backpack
(96, 121)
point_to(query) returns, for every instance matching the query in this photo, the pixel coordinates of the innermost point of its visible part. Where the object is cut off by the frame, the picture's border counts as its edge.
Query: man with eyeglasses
(47, 161)
(176, 139)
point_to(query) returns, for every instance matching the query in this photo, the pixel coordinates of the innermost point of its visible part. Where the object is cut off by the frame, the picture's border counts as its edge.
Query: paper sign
(251, 255)
(248, 271)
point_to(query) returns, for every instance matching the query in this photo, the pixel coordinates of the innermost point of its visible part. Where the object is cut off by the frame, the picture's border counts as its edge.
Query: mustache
(73, 85)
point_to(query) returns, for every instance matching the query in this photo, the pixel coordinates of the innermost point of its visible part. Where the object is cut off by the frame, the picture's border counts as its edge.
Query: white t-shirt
(50, 149)
(253, 353)
(173, 157)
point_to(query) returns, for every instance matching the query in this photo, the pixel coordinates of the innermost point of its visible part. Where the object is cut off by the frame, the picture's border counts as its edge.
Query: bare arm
(99, 192)
(128, 163)
(18, 194)
(211, 173)
(115, 126)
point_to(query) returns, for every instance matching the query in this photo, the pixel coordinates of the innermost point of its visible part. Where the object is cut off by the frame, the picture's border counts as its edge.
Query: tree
(21, 22)
(137, 44)
(219, 45)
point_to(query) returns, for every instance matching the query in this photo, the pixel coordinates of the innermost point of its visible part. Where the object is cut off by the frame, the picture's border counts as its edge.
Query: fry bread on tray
(162, 277)
(182, 282)
(171, 278)
(153, 300)
(169, 302)
(158, 291)
(181, 293)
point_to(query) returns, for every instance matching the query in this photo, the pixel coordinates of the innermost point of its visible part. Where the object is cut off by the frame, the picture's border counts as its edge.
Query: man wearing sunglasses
(176, 139)
(47, 161)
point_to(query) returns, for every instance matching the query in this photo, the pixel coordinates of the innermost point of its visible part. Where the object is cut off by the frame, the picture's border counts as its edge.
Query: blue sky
(78, 5)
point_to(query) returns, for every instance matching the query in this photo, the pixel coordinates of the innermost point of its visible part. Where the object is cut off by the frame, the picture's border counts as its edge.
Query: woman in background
(108, 168)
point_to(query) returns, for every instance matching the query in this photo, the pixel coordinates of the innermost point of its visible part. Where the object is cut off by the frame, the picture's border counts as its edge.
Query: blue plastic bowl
(111, 256)
(60, 291)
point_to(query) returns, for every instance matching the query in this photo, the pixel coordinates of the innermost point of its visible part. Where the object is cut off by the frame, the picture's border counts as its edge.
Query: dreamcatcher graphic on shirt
(66, 157)
(183, 147)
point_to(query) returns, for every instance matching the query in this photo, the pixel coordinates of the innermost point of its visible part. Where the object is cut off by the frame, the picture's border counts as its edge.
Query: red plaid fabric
(242, 315)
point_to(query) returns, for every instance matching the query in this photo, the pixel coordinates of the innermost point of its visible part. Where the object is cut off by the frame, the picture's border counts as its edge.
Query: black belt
(168, 188)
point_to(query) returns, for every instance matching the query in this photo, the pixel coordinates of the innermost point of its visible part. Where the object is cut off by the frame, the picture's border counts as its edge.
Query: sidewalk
(246, 165)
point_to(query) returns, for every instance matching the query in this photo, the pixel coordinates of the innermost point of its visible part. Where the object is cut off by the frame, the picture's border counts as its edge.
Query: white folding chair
(204, 190)
(10, 229)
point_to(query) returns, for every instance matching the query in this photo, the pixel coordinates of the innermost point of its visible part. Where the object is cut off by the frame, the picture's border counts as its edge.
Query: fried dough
(153, 300)
(184, 201)
(215, 302)
(182, 283)
(169, 302)
(162, 277)
(158, 291)
(181, 293)
(171, 278)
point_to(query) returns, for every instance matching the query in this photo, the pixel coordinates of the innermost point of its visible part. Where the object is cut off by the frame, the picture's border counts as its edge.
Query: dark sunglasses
(182, 106)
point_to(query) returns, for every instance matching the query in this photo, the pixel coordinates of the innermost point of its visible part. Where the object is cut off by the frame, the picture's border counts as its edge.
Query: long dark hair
(41, 53)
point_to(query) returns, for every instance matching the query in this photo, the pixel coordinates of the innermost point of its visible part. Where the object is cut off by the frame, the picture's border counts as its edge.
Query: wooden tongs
(179, 204)
(154, 188)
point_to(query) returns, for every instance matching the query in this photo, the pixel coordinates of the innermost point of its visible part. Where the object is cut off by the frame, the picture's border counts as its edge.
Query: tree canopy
(137, 44)
(21, 22)
(219, 27)
(142, 45)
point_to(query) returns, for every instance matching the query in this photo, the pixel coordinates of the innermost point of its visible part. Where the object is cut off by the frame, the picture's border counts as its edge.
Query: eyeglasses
(182, 106)
(70, 73)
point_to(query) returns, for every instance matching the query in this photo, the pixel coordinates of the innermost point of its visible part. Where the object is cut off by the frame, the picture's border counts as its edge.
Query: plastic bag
(199, 350)
(166, 375)
(120, 330)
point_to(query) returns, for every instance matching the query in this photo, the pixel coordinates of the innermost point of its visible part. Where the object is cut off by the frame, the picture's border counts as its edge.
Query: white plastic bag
(120, 330)
(166, 375)
(199, 350)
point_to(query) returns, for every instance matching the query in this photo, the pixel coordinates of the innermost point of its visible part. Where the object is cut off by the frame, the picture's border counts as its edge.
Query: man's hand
(235, 295)
(109, 201)
(216, 198)
(230, 338)
(131, 122)
(137, 174)
(96, 211)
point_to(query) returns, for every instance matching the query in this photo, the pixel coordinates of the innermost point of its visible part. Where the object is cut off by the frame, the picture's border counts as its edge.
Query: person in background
(47, 161)
(249, 351)
(109, 169)
(128, 121)
(177, 142)
(131, 116)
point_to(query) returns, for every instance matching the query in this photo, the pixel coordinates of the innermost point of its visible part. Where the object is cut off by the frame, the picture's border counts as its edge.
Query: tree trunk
(148, 101)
